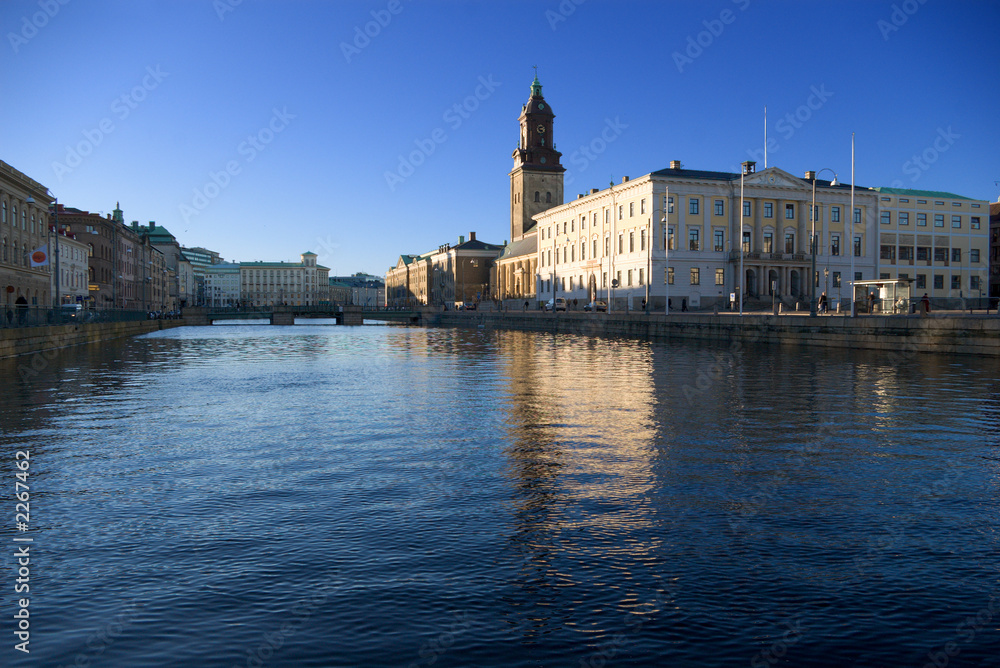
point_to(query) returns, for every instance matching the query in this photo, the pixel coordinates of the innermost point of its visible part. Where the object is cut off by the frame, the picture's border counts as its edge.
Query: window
(746, 209)
(618, 278)
(719, 239)
(973, 282)
(769, 209)
(857, 276)
(693, 238)
(630, 278)
(564, 255)
(834, 244)
(921, 281)
(548, 198)
(695, 276)
(594, 248)
(670, 239)
(884, 275)
(974, 255)
(885, 218)
(746, 242)
(835, 214)
(607, 216)
(923, 253)
(956, 222)
(857, 247)
(538, 197)
(631, 242)
(921, 201)
(789, 212)
(720, 207)
(938, 203)
(621, 211)
(789, 242)
(816, 213)
(904, 218)
(642, 277)
(642, 240)
(642, 205)
(903, 200)
(974, 222)
(921, 220)
(720, 276)
(887, 253)
(836, 279)
(4, 218)
(607, 246)
(693, 205)
(670, 205)
(905, 253)
(670, 276)
(956, 255)
(621, 242)
(604, 279)
(938, 220)
(572, 253)
(938, 281)
(857, 215)
(583, 250)
(940, 254)
(956, 282)
(768, 242)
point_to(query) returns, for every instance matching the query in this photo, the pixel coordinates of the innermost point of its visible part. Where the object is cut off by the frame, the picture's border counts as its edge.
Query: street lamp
(666, 265)
(812, 240)
(747, 166)
(852, 226)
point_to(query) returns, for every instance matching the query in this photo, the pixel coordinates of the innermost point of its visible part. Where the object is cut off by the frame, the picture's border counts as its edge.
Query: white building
(222, 284)
(293, 283)
(74, 269)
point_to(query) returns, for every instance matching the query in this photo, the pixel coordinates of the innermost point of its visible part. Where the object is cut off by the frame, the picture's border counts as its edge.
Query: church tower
(536, 182)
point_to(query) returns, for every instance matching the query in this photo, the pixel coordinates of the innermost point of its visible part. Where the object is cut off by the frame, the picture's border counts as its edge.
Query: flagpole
(852, 225)
(765, 149)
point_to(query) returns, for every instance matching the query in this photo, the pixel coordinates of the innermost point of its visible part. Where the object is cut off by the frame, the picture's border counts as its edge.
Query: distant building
(448, 276)
(293, 283)
(222, 284)
(995, 249)
(74, 269)
(360, 289)
(201, 259)
(182, 288)
(24, 228)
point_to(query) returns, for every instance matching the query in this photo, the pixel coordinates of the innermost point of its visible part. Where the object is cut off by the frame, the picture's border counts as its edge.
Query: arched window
(548, 198)
(13, 221)
(537, 197)
(4, 219)
(32, 223)
(5, 249)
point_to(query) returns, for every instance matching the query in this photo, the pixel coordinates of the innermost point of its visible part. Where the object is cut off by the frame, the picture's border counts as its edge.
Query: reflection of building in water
(581, 448)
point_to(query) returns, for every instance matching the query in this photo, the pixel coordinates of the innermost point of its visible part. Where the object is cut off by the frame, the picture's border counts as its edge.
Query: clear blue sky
(199, 77)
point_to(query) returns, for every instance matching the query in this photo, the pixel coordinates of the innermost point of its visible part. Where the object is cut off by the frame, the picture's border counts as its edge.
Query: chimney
(624, 179)
(152, 224)
(593, 190)
(461, 239)
(810, 176)
(472, 236)
(675, 164)
(580, 196)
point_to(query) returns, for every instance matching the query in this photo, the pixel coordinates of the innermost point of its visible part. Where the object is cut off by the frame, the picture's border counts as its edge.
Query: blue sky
(265, 128)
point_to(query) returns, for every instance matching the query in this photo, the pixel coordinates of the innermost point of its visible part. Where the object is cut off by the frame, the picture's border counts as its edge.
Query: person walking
(925, 303)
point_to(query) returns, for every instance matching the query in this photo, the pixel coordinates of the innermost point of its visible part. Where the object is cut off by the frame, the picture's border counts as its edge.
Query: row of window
(956, 281)
(924, 254)
(694, 208)
(24, 218)
(904, 200)
(903, 218)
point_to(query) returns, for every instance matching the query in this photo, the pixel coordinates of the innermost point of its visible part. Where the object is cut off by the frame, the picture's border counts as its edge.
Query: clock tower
(536, 182)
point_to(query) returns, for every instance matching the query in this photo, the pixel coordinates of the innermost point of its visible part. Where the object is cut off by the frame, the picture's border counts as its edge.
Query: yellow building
(938, 239)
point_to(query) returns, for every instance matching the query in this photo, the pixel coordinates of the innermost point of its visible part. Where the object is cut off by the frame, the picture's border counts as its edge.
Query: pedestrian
(684, 304)
(871, 302)
(925, 303)
(822, 303)
(525, 306)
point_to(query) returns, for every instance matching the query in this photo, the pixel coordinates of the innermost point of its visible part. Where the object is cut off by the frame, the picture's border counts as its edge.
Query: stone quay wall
(26, 340)
(972, 335)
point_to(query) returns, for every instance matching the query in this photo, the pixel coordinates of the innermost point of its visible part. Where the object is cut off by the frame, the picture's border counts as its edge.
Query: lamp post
(739, 232)
(851, 312)
(812, 241)
(611, 243)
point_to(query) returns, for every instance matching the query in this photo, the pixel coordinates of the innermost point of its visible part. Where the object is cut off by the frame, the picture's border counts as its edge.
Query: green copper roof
(919, 193)
(536, 87)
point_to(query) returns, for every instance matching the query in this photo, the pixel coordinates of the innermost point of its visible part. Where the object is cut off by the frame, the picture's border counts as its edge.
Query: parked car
(598, 305)
(559, 304)
(71, 311)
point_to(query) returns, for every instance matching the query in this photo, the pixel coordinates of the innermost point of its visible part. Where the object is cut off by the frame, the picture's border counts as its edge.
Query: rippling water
(386, 496)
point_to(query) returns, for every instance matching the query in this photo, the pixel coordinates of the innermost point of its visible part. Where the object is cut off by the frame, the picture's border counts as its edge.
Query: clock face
(541, 129)
(541, 105)
(542, 160)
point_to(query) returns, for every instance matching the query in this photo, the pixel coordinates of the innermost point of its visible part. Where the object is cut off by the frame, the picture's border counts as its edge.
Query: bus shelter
(885, 296)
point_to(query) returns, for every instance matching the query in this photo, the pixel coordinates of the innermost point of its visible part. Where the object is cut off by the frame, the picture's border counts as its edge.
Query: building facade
(450, 276)
(995, 250)
(291, 283)
(72, 266)
(360, 289)
(222, 284)
(24, 228)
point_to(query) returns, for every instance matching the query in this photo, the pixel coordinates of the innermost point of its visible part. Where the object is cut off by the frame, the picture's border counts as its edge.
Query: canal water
(393, 496)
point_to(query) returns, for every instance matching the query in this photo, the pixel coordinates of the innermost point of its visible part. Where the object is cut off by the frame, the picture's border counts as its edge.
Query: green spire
(536, 86)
